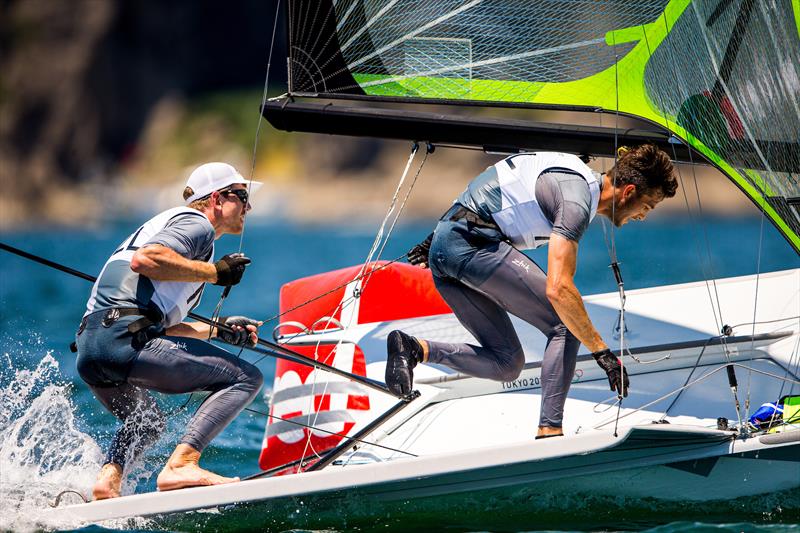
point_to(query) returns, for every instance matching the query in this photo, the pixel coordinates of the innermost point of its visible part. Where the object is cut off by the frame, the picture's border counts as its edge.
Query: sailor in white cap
(133, 337)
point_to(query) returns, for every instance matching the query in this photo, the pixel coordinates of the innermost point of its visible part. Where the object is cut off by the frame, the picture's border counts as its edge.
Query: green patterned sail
(722, 76)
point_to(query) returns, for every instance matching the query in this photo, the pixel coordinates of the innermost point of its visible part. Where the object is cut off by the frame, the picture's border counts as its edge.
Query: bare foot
(108, 483)
(183, 470)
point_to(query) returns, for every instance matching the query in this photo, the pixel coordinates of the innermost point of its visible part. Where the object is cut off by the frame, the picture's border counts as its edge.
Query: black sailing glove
(418, 255)
(230, 269)
(614, 370)
(237, 337)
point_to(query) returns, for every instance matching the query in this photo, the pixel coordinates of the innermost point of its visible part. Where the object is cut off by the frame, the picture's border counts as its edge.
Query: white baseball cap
(211, 177)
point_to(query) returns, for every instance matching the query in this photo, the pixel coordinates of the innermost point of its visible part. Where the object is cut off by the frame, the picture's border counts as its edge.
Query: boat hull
(648, 467)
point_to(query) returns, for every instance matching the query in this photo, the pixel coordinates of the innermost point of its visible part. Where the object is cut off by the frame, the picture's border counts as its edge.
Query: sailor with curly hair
(526, 201)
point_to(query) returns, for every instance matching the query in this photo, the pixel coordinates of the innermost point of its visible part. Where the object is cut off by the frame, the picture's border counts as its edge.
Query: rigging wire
(694, 224)
(361, 279)
(695, 382)
(766, 321)
(689, 377)
(758, 275)
(393, 203)
(612, 250)
(226, 291)
(716, 310)
(260, 114)
(722, 86)
(332, 433)
(731, 374)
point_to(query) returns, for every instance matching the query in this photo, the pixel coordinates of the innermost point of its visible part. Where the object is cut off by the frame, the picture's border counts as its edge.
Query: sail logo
(317, 402)
(523, 264)
(312, 409)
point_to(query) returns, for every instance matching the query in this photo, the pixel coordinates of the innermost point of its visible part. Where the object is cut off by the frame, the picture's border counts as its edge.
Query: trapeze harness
(506, 195)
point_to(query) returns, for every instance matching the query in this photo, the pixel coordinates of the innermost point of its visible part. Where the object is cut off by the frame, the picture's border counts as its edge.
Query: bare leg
(108, 483)
(425, 349)
(183, 470)
(547, 431)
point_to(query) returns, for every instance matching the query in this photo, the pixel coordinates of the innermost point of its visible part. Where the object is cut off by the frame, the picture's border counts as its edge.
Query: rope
(695, 382)
(612, 250)
(428, 151)
(733, 386)
(377, 247)
(364, 273)
(315, 298)
(326, 293)
(218, 309)
(379, 236)
(260, 115)
(689, 377)
(333, 433)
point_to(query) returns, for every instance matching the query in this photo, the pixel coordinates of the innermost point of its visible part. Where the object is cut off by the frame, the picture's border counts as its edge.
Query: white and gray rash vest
(185, 230)
(506, 193)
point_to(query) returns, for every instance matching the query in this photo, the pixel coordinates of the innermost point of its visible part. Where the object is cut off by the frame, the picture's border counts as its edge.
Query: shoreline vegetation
(307, 178)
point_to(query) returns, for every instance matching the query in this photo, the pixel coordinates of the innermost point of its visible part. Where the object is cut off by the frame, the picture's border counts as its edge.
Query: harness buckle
(111, 316)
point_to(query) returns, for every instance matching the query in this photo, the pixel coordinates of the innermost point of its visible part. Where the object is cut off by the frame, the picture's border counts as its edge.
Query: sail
(719, 78)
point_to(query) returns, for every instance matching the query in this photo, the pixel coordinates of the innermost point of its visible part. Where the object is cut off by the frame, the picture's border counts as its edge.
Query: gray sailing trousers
(120, 376)
(483, 278)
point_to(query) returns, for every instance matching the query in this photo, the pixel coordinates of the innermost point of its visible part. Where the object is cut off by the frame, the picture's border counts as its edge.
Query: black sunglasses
(241, 194)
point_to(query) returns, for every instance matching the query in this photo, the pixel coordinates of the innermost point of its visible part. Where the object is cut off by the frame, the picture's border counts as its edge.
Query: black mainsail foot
(442, 128)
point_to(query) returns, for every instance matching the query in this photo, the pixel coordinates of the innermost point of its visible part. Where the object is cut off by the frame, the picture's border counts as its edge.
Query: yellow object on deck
(791, 415)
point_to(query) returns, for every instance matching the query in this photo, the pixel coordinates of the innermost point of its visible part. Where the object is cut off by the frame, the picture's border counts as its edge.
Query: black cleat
(403, 354)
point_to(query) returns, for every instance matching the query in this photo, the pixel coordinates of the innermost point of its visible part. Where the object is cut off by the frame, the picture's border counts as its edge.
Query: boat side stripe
(316, 419)
(331, 387)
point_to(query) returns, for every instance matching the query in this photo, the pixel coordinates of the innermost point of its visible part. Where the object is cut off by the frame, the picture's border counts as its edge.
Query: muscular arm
(563, 294)
(199, 330)
(160, 263)
(195, 330)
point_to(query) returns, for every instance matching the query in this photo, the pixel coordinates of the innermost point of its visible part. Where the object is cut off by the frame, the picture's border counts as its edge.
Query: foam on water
(42, 452)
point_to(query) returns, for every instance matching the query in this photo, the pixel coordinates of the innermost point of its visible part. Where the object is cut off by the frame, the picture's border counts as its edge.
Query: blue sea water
(52, 430)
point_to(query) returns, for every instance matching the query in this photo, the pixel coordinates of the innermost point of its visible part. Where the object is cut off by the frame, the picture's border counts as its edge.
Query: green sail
(723, 76)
